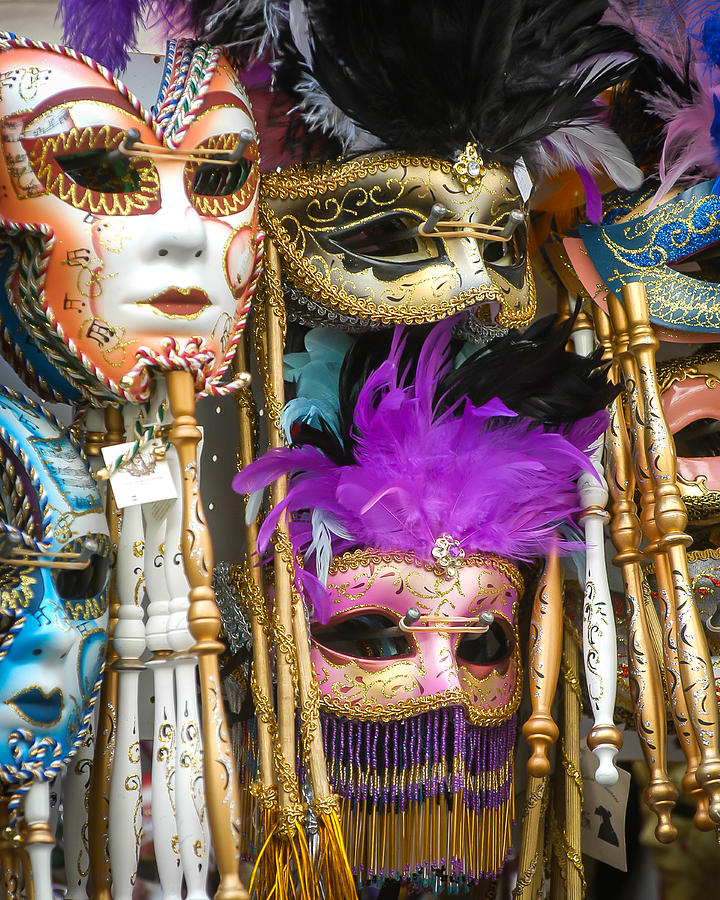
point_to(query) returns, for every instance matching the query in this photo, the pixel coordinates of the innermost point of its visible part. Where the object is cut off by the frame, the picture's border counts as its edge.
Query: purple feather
(497, 482)
(106, 30)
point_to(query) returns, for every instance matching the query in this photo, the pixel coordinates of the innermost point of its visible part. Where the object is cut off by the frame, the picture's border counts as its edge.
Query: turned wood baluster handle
(260, 646)
(221, 784)
(696, 670)
(546, 633)
(645, 678)
(671, 673)
(99, 795)
(598, 615)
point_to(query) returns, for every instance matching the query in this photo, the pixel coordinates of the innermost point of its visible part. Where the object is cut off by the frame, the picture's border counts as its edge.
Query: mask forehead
(135, 250)
(347, 233)
(425, 671)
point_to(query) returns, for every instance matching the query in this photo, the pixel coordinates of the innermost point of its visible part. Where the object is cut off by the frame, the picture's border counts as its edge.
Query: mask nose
(176, 232)
(440, 662)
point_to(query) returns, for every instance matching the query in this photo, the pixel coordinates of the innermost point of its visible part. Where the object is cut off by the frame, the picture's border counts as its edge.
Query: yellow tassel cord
(428, 832)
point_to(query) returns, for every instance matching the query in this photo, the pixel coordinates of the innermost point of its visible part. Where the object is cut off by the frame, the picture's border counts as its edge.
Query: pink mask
(419, 725)
(139, 257)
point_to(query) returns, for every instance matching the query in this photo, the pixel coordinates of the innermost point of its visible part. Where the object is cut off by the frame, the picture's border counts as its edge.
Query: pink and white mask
(144, 248)
(373, 661)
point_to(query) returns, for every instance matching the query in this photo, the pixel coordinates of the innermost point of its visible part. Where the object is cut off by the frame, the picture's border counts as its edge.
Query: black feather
(429, 77)
(532, 372)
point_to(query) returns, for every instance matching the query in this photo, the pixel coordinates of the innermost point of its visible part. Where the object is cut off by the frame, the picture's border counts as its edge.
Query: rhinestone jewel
(447, 554)
(469, 168)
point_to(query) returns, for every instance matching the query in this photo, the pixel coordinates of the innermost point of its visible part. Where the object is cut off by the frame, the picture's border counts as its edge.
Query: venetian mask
(689, 393)
(412, 701)
(347, 234)
(137, 226)
(52, 620)
(671, 248)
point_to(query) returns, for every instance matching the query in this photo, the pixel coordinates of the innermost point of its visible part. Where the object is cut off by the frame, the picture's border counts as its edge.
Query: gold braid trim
(561, 847)
(271, 288)
(571, 770)
(329, 805)
(571, 679)
(250, 596)
(537, 797)
(290, 819)
(267, 797)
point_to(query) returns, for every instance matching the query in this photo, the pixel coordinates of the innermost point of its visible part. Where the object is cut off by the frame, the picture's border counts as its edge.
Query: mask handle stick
(221, 784)
(165, 796)
(10, 863)
(99, 796)
(129, 638)
(661, 794)
(76, 780)
(530, 859)
(254, 600)
(671, 668)
(599, 637)
(334, 864)
(695, 665)
(546, 628)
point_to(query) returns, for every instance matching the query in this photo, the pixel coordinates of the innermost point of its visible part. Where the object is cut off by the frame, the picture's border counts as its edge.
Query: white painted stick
(39, 843)
(599, 637)
(75, 796)
(165, 830)
(189, 785)
(125, 827)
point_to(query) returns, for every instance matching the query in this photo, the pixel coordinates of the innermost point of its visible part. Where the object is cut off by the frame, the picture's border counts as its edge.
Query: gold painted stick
(261, 679)
(9, 855)
(337, 877)
(540, 731)
(99, 799)
(530, 861)
(671, 671)
(221, 785)
(570, 762)
(696, 670)
(645, 677)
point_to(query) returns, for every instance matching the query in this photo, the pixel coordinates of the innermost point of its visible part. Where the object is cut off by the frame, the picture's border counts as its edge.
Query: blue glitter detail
(645, 247)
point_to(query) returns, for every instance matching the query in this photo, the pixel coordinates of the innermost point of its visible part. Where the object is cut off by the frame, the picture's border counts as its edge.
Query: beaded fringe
(427, 799)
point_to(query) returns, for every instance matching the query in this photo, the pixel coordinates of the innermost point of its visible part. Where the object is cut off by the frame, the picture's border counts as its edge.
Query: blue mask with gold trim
(52, 621)
(673, 249)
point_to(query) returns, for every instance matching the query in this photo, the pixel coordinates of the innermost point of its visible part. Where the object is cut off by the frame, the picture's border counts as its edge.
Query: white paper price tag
(602, 830)
(144, 479)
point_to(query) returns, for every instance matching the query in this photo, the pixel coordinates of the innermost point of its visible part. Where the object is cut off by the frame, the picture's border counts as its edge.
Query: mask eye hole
(372, 636)
(484, 649)
(7, 620)
(507, 253)
(212, 180)
(81, 584)
(98, 171)
(698, 439)
(704, 265)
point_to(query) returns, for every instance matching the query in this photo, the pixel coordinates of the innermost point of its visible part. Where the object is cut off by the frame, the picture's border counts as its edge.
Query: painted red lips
(178, 303)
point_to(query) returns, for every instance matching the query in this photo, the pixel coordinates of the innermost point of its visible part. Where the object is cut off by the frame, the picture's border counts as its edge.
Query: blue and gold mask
(52, 621)
(673, 249)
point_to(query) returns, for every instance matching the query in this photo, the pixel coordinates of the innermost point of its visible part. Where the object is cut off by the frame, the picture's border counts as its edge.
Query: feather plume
(418, 458)
(106, 30)
(503, 76)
